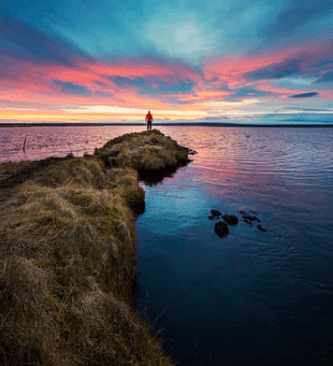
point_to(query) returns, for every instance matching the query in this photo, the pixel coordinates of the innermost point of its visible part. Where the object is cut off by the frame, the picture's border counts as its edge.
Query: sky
(239, 61)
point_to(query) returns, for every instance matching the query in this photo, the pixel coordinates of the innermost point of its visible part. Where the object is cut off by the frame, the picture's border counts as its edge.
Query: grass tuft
(146, 152)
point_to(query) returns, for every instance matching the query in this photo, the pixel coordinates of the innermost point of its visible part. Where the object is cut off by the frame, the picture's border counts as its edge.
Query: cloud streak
(304, 95)
(205, 61)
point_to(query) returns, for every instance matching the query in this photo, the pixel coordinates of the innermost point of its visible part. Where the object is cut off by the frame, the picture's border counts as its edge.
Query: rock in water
(221, 228)
(230, 219)
(251, 218)
(261, 228)
(215, 212)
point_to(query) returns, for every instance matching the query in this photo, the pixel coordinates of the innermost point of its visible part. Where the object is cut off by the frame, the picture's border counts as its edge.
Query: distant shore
(201, 124)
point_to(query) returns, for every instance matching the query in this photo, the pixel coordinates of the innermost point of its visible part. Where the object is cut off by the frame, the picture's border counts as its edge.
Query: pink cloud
(224, 79)
(26, 81)
(236, 70)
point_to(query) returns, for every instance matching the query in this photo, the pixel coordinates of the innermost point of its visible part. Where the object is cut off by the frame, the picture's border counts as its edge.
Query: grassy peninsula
(68, 255)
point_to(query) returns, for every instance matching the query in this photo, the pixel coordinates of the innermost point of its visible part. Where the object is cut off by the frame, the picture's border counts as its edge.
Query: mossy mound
(147, 152)
(68, 258)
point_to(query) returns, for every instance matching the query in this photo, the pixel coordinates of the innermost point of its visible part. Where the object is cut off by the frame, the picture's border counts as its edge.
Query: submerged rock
(221, 228)
(261, 228)
(230, 219)
(215, 212)
(251, 218)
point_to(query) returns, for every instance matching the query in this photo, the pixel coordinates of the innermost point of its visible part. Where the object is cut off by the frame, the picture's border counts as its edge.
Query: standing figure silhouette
(149, 118)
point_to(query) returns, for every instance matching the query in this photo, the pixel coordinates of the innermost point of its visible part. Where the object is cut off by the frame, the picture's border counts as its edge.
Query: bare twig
(23, 147)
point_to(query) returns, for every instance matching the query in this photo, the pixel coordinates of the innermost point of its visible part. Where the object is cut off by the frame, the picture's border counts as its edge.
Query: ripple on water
(232, 295)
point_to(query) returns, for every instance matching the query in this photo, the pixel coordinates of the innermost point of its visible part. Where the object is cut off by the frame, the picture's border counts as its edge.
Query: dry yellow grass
(68, 257)
(146, 152)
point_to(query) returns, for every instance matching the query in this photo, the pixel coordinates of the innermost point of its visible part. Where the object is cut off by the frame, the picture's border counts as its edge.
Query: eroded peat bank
(68, 254)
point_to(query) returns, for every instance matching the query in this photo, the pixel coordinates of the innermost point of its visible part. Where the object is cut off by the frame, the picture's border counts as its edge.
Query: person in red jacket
(149, 118)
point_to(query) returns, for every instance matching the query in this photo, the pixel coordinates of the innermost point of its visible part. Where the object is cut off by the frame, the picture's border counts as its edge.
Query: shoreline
(68, 254)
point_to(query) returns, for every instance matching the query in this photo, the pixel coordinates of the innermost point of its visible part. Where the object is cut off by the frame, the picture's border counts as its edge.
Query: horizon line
(203, 124)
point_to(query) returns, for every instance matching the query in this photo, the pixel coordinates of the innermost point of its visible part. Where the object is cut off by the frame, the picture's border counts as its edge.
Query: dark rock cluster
(221, 227)
(250, 217)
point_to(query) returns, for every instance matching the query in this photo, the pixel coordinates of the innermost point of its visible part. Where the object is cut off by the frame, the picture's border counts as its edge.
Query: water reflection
(43, 142)
(251, 298)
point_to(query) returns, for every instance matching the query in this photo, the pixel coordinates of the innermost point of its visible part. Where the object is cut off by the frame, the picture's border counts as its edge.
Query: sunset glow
(57, 69)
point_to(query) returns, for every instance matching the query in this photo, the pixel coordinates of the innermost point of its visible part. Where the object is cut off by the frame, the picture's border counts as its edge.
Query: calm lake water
(253, 297)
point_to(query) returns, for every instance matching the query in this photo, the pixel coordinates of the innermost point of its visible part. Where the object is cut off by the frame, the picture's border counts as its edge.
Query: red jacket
(149, 117)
